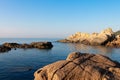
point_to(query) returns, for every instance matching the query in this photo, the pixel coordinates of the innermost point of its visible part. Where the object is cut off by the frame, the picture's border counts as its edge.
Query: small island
(106, 38)
(39, 45)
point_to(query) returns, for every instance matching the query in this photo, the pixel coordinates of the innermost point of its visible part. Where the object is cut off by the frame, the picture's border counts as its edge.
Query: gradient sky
(57, 18)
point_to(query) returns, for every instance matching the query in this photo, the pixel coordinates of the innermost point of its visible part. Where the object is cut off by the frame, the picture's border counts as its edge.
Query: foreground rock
(40, 45)
(91, 39)
(79, 66)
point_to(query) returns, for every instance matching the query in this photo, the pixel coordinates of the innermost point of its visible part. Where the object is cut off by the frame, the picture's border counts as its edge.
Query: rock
(91, 39)
(11, 45)
(107, 31)
(42, 45)
(25, 46)
(86, 42)
(100, 39)
(4, 49)
(114, 43)
(80, 66)
(117, 36)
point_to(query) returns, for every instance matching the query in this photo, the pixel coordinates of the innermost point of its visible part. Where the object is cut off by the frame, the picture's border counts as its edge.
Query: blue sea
(20, 64)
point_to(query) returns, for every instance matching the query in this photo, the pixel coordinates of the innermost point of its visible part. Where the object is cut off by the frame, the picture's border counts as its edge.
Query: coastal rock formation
(11, 45)
(114, 43)
(80, 66)
(92, 39)
(40, 45)
(4, 49)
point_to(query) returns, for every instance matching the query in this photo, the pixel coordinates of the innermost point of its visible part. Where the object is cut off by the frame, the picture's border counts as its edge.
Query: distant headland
(106, 38)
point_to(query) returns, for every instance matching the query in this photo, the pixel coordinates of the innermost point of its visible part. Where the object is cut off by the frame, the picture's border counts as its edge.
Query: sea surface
(20, 64)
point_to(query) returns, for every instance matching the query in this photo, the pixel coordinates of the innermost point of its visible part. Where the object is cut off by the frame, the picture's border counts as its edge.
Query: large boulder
(80, 66)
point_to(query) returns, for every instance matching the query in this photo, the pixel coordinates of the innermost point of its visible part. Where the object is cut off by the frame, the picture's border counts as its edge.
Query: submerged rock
(21, 69)
(80, 66)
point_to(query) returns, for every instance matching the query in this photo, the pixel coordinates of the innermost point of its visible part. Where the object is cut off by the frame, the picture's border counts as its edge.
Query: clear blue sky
(57, 18)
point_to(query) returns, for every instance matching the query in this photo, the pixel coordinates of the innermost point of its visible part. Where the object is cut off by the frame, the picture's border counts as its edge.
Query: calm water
(21, 64)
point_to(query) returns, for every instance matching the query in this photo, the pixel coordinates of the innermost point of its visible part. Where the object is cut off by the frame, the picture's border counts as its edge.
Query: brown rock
(4, 49)
(80, 66)
(25, 46)
(11, 45)
(91, 39)
(114, 43)
(42, 45)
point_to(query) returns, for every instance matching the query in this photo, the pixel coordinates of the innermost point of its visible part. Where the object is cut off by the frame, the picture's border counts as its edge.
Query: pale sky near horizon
(56, 18)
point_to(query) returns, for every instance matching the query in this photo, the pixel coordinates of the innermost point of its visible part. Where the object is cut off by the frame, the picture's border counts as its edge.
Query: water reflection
(89, 49)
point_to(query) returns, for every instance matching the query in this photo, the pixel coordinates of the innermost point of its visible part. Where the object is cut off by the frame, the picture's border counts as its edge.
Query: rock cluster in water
(40, 45)
(4, 48)
(114, 43)
(101, 38)
(80, 66)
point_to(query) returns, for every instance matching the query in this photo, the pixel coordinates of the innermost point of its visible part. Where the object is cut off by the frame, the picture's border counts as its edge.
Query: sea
(20, 64)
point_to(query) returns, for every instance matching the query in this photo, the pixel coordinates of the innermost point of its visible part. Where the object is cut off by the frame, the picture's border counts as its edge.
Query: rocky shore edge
(80, 66)
(106, 38)
(39, 45)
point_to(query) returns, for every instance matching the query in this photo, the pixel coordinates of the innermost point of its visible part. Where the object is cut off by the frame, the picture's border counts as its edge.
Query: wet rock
(39, 45)
(11, 45)
(4, 49)
(25, 46)
(80, 66)
(42, 45)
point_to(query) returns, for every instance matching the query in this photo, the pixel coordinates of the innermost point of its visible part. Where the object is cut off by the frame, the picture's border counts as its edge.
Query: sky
(56, 18)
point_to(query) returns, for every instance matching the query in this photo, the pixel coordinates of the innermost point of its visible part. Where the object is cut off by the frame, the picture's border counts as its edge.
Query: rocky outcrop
(92, 39)
(80, 66)
(40, 45)
(4, 49)
(114, 43)
(11, 45)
